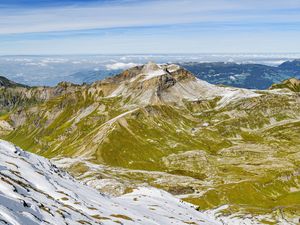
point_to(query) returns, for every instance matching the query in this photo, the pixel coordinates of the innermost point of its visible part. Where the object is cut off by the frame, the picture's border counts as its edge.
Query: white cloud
(120, 66)
(36, 64)
(148, 13)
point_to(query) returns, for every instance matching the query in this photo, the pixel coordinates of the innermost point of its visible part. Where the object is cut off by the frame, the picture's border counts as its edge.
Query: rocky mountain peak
(150, 67)
(166, 84)
(292, 84)
(148, 72)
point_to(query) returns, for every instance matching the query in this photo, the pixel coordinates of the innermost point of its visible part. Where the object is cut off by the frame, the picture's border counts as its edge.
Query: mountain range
(244, 75)
(217, 147)
(254, 76)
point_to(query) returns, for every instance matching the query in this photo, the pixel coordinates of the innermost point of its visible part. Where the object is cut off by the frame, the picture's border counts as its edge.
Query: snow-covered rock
(34, 191)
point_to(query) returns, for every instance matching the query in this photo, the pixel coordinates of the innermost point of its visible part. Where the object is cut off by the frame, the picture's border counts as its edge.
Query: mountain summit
(147, 72)
(166, 83)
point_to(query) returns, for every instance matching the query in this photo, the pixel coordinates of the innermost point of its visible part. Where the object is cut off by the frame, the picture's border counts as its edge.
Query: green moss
(252, 137)
(257, 197)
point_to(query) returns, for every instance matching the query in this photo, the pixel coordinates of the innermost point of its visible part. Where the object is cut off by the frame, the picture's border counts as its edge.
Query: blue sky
(149, 26)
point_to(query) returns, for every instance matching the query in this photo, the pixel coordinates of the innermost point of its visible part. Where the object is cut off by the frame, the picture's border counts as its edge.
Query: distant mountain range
(253, 76)
(245, 75)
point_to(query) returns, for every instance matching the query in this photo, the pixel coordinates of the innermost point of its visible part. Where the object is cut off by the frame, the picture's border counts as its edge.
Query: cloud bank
(120, 66)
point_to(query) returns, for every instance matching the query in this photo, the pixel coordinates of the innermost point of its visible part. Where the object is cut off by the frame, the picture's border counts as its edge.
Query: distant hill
(90, 76)
(291, 65)
(4, 82)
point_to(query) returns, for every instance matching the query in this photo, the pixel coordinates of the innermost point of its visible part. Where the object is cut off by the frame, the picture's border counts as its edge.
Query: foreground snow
(34, 191)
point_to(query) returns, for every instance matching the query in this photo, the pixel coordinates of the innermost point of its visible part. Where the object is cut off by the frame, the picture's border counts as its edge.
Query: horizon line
(147, 53)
